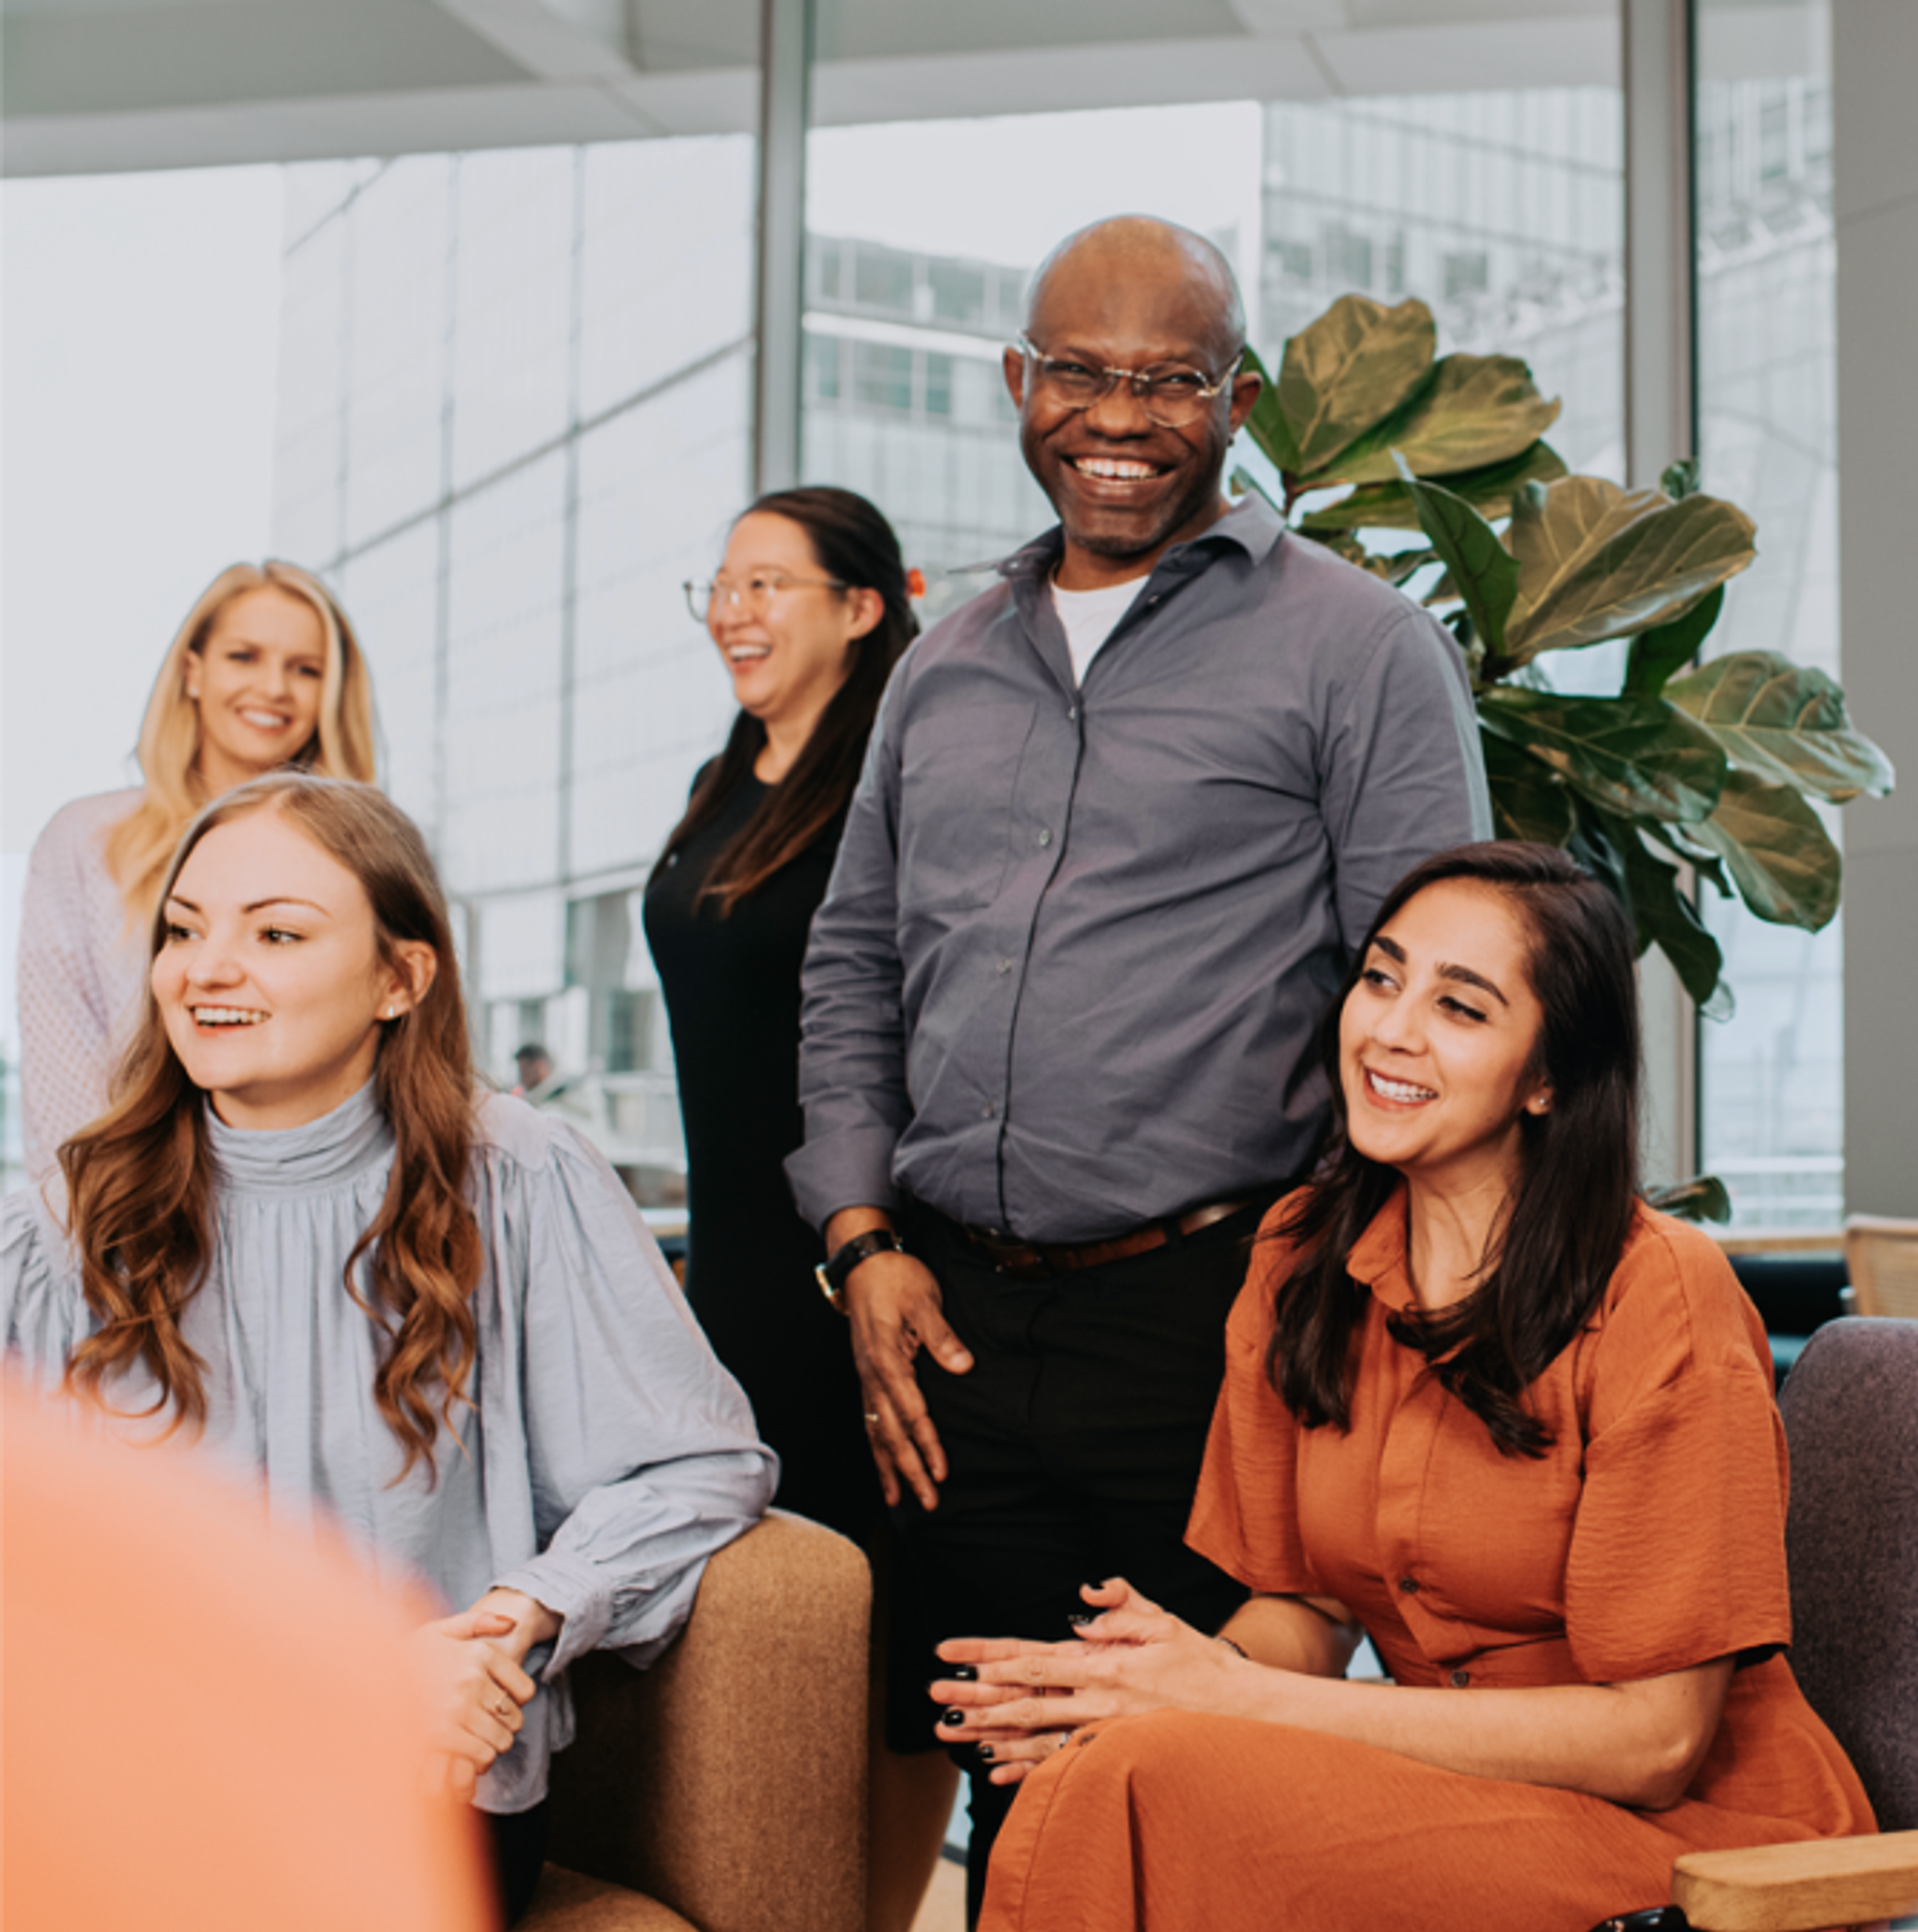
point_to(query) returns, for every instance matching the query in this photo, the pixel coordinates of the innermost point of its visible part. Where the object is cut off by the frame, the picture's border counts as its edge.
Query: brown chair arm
(729, 1780)
(1801, 1887)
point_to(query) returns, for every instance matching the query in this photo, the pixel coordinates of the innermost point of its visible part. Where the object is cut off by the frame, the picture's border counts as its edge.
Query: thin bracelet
(1233, 1647)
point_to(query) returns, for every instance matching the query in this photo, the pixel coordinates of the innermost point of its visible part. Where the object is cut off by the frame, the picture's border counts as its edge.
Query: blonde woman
(265, 672)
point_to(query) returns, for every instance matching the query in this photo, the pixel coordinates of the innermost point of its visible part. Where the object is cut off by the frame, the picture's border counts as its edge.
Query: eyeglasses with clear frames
(1171, 396)
(755, 595)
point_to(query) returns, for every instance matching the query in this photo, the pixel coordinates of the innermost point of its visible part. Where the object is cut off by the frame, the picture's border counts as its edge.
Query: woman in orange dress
(1484, 1407)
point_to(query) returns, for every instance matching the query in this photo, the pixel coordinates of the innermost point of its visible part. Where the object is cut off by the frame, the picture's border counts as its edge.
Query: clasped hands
(1019, 1701)
(470, 1668)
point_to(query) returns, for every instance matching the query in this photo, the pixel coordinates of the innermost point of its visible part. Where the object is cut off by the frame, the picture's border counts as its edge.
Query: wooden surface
(1780, 1241)
(1799, 1888)
(945, 1909)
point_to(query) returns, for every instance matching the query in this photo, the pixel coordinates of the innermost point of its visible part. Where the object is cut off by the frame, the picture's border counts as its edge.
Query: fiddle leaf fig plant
(1444, 485)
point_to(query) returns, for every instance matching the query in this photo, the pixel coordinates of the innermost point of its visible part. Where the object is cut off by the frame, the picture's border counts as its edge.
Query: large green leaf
(1598, 561)
(1687, 852)
(1658, 653)
(1529, 800)
(1475, 411)
(1389, 505)
(1348, 371)
(1267, 424)
(1636, 756)
(1477, 564)
(1786, 869)
(1679, 479)
(1394, 566)
(1703, 1198)
(1785, 722)
(1241, 480)
(1665, 917)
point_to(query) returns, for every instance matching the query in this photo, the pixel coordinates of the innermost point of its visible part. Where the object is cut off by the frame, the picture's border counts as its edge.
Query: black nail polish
(952, 1717)
(962, 1673)
(985, 1753)
(1080, 1618)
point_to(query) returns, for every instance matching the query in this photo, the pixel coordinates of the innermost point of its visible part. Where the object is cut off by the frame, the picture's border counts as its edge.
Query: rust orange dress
(1649, 1538)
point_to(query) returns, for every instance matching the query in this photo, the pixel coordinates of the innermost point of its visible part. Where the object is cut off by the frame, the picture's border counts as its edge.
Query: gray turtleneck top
(611, 1454)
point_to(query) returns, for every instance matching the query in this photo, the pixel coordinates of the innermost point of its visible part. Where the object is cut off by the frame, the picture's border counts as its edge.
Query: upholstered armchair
(1851, 1417)
(724, 1789)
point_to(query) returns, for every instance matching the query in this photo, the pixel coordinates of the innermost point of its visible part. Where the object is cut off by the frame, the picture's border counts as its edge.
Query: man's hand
(895, 1305)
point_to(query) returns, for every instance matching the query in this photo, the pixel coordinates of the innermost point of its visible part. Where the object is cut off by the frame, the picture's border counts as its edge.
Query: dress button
(987, 1111)
(1072, 714)
(1045, 837)
(1005, 965)
(1408, 1585)
(1460, 1678)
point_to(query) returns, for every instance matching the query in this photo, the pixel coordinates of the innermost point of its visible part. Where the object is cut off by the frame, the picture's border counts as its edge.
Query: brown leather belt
(1039, 1259)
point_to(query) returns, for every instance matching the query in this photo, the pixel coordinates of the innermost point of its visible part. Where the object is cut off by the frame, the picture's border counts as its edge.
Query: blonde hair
(344, 746)
(141, 1180)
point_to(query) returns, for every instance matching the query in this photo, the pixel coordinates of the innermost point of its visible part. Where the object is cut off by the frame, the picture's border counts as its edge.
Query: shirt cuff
(571, 1588)
(851, 1168)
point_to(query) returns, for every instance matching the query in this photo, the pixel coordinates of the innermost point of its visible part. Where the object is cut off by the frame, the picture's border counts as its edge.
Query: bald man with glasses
(1123, 817)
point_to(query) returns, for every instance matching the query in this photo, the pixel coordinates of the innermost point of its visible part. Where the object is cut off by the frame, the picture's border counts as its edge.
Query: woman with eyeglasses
(809, 610)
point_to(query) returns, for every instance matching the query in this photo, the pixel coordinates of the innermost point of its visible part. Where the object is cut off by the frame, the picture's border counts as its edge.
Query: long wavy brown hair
(140, 1179)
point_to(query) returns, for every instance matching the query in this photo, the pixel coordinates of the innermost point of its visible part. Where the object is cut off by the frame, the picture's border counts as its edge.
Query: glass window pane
(397, 348)
(516, 217)
(1503, 211)
(1772, 1077)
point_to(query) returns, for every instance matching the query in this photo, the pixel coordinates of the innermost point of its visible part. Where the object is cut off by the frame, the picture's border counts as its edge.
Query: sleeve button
(1409, 1584)
(1460, 1678)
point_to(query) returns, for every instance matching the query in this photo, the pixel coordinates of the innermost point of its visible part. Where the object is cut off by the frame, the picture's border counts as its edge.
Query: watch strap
(831, 1273)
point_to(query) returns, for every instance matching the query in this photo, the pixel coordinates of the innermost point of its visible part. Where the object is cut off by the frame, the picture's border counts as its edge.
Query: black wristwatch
(832, 1272)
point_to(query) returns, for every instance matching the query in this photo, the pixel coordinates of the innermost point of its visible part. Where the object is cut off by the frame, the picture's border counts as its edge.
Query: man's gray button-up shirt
(1068, 973)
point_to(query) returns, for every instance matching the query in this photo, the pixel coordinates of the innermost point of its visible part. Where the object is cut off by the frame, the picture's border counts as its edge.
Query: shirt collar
(1251, 524)
(1379, 1257)
(301, 1160)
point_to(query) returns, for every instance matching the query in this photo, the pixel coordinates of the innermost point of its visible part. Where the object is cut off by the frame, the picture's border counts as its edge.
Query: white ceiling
(95, 86)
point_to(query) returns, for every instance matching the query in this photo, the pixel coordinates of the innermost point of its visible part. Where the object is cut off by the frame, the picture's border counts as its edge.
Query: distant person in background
(810, 610)
(304, 1234)
(536, 1068)
(265, 672)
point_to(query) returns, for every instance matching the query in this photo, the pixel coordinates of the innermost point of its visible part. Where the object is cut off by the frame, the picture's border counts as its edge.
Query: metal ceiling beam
(1662, 427)
(785, 89)
(568, 40)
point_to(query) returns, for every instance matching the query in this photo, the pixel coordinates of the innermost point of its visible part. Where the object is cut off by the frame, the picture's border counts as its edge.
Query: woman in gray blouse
(433, 1317)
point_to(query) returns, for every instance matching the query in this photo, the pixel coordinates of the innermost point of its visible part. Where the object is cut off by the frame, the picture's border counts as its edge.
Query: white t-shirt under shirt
(1089, 617)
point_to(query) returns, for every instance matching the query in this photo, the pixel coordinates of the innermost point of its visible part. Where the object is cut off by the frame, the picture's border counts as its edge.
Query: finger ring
(872, 1418)
(503, 1708)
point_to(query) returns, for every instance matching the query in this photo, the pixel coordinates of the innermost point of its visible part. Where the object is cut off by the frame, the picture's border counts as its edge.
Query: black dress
(732, 994)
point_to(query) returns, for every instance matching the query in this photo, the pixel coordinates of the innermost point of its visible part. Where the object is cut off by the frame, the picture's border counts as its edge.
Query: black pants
(1074, 1445)
(518, 1840)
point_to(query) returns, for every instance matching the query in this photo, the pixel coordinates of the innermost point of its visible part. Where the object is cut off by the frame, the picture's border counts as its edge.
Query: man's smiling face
(1128, 295)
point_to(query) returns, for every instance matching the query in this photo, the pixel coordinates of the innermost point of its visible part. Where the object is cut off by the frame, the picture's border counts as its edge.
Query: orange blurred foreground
(208, 1724)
